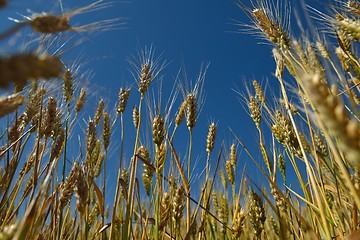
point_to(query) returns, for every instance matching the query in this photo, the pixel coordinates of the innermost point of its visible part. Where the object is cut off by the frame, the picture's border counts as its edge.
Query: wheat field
(47, 191)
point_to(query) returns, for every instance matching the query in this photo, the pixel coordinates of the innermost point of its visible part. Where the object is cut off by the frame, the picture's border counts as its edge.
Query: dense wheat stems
(309, 168)
(55, 181)
(310, 85)
(188, 207)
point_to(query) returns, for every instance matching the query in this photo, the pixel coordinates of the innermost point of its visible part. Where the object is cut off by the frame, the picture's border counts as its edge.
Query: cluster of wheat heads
(48, 192)
(315, 122)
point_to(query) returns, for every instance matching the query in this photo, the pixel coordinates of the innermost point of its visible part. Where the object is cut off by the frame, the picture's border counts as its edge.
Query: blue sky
(186, 34)
(189, 33)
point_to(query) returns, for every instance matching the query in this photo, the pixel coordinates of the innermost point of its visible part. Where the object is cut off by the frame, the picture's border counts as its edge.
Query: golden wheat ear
(21, 68)
(49, 23)
(333, 115)
(11, 103)
(123, 99)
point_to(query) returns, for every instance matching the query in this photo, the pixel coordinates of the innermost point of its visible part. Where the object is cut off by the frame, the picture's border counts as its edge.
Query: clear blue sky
(190, 33)
(187, 33)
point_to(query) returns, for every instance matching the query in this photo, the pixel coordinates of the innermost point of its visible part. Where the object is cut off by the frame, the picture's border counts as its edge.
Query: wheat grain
(320, 145)
(47, 23)
(11, 103)
(95, 211)
(238, 223)
(145, 78)
(123, 99)
(256, 214)
(136, 117)
(282, 165)
(284, 131)
(90, 141)
(223, 214)
(278, 197)
(50, 23)
(271, 29)
(68, 85)
(51, 121)
(223, 179)
(350, 27)
(333, 114)
(321, 47)
(98, 161)
(353, 7)
(165, 208)
(148, 172)
(255, 111)
(343, 58)
(291, 106)
(190, 110)
(81, 190)
(233, 155)
(81, 101)
(67, 188)
(344, 40)
(91, 165)
(160, 157)
(230, 172)
(259, 92)
(181, 113)
(314, 60)
(59, 145)
(158, 130)
(210, 140)
(99, 111)
(178, 204)
(106, 130)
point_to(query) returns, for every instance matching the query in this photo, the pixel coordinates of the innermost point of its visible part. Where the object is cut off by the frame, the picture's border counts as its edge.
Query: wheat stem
(130, 202)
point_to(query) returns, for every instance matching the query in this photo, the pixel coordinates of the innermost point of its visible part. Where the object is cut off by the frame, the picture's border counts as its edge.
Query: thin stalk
(64, 161)
(116, 198)
(206, 195)
(65, 143)
(157, 203)
(233, 192)
(130, 204)
(307, 163)
(104, 193)
(207, 167)
(188, 212)
(265, 154)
